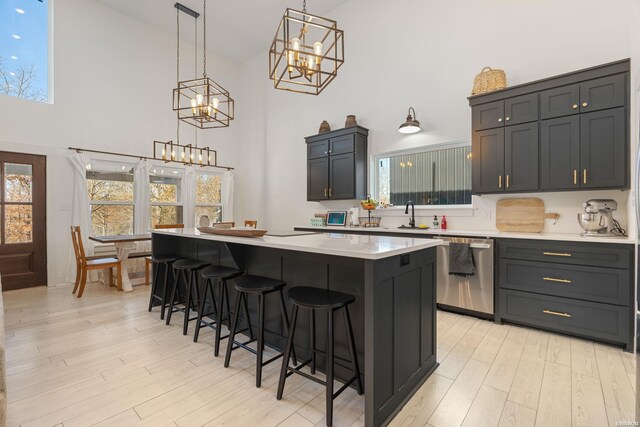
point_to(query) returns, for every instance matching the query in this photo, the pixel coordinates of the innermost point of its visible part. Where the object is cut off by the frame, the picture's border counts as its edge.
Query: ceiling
(236, 29)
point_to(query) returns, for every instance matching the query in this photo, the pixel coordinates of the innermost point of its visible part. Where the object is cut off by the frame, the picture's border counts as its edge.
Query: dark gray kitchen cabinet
(507, 159)
(337, 164)
(487, 163)
(568, 132)
(575, 288)
(592, 95)
(521, 157)
(512, 111)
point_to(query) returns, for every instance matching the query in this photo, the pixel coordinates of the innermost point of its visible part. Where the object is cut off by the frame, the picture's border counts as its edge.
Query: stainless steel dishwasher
(471, 294)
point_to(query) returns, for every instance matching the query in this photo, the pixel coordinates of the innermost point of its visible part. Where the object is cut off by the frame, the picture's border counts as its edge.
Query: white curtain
(80, 212)
(141, 181)
(227, 195)
(189, 197)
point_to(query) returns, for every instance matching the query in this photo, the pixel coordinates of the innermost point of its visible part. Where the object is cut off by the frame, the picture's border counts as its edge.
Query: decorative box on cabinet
(580, 289)
(576, 133)
(337, 164)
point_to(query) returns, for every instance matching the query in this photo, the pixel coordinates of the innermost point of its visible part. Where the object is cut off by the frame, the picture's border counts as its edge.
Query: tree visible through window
(165, 196)
(111, 196)
(24, 53)
(209, 197)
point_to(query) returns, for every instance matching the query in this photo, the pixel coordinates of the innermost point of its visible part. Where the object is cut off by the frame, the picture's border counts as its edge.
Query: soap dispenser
(436, 224)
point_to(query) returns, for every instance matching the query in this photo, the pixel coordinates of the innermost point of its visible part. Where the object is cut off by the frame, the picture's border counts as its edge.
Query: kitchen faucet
(412, 221)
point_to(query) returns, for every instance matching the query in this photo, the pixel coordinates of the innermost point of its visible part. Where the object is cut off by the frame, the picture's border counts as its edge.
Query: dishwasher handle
(473, 245)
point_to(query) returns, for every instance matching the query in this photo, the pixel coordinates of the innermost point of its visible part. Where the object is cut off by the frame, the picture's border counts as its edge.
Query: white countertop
(570, 237)
(338, 244)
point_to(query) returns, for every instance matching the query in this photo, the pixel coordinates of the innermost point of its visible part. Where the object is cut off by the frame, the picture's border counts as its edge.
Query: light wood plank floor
(104, 360)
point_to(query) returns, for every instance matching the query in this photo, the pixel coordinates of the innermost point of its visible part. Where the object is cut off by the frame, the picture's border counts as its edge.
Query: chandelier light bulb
(295, 43)
(214, 103)
(194, 105)
(199, 99)
(173, 154)
(182, 155)
(311, 60)
(164, 154)
(317, 48)
(200, 158)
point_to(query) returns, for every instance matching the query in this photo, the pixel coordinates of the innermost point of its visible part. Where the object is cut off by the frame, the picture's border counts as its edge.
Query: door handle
(325, 192)
(574, 106)
(499, 181)
(575, 177)
(551, 279)
(584, 176)
(329, 192)
(556, 313)
(507, 180)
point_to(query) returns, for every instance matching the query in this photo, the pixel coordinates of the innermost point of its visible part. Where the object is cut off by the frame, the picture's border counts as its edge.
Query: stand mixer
(597, 219)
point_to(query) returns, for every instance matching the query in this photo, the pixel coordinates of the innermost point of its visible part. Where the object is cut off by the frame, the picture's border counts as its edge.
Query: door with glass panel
(23, 255)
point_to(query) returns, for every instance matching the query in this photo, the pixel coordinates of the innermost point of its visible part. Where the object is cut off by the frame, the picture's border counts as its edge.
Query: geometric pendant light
(306, 52)
(202, 102)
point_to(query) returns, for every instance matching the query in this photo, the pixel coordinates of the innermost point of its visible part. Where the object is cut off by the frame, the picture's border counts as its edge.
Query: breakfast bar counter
(392, 279)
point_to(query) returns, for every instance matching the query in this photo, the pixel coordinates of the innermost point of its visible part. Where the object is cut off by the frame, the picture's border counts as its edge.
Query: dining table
(124, 244)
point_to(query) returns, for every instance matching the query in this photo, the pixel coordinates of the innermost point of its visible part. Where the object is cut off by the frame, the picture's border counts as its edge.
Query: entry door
(23, 256)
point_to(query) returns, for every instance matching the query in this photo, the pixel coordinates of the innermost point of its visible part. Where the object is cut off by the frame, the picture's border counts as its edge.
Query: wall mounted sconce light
(411, 125)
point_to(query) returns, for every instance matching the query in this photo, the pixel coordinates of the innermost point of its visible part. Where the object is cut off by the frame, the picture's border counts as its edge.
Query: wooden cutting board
(524, 215)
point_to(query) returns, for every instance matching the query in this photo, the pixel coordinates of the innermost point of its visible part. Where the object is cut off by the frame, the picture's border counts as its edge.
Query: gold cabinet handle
(584, 104)
(556, 313)
(584, 176)
(507, 180)
(325, 192)
(556, 254)
(499, 181)
(329, 192)
(574, 106)
(575, 177)
(507, 118)
(499, 119)
(552, 279)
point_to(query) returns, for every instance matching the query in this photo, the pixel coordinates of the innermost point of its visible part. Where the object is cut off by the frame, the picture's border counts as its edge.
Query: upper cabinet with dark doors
(563, 133)
(337, 164)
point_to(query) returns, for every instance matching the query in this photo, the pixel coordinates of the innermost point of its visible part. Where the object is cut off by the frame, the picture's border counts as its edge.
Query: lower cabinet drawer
(586, 319)
(608, 285)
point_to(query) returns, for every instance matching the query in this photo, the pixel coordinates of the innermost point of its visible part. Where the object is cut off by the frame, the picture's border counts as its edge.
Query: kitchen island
(392, 279)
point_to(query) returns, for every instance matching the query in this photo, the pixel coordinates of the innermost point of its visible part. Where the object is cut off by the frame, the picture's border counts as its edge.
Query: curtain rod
(80, 150)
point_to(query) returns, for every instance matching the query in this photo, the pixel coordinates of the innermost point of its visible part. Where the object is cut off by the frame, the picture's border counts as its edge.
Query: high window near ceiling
(24, 49)
(165, 196)
(112, 198)
(208, 197)
(439, 175)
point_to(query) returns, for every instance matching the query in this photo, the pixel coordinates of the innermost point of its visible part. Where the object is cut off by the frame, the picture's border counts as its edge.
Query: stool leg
(287, 353)
(174, 290)
(352, 350)
(167, 269)
(312, 315)
(196, 332)
(232, 332)
(223, 287)
(246, 312)
(329, 396)
(154, 287)
(260, 347)
(187, 302)
(285, 321)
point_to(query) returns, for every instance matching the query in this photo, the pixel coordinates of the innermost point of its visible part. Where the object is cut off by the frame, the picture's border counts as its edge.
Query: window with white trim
(111, 193)
(165, 196)
(208, 196)
(437, 175)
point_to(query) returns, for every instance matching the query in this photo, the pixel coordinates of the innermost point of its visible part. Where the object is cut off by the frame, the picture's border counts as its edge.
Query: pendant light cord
(304, 6)
(204, 39)
(178, 66)
(195, 65)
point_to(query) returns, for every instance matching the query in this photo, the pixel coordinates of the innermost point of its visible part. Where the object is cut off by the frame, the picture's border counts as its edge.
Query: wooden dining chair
(148, 260)
(250, 223)
(85, 263)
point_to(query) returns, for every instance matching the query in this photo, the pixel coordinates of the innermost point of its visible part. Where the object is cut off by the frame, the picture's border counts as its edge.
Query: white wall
(425, 55)
(113, 91)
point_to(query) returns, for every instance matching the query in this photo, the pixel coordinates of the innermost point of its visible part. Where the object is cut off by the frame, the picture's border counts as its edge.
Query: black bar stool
(165, 261)
(188, 269)
(220, 275)
(260, 286)
(328, 301)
